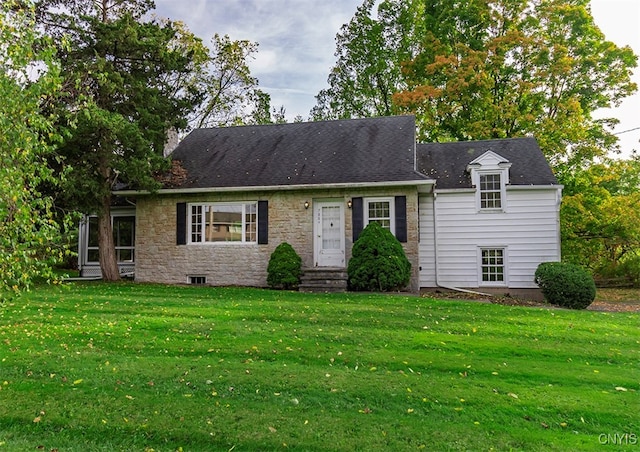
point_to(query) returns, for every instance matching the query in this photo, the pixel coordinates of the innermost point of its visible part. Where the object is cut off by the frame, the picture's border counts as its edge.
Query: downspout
(558, 225)
(436, 249)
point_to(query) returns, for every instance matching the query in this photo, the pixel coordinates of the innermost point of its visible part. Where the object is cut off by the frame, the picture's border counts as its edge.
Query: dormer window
(490, 191)
(490, 176)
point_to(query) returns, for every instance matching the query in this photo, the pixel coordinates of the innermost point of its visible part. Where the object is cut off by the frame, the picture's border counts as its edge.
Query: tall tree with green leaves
(601, 221)
(483, 69)
(230, 94)
(120, 99)
(227, 92)
(536, 68)
(369, 53)
(30, 232)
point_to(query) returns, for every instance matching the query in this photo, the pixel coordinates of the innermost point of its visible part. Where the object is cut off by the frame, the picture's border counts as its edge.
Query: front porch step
(323, 279)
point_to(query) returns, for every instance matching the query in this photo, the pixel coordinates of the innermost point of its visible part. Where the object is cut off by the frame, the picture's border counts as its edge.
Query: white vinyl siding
(528, 231)
(427, 258)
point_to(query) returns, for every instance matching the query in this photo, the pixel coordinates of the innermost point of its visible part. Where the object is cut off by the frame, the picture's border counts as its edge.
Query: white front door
(328, 233)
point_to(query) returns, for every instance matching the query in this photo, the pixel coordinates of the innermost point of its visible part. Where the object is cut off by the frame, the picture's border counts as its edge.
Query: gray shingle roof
(323, 152)
(447, 162)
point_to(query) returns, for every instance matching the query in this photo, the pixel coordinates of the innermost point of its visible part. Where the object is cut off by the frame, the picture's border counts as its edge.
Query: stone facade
(160, 259)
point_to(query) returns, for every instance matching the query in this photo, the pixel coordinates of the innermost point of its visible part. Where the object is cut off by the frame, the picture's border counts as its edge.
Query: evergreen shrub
(566, 285)
(378, 261)
(285, 266)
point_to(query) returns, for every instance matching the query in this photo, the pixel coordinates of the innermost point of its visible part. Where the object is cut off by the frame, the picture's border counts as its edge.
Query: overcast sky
(297, 43)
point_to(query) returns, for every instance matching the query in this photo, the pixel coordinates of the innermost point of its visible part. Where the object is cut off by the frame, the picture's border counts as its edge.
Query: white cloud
(296, 40)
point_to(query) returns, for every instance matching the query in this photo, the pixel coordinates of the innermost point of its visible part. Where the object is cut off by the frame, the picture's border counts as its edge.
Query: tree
(600, 224)
(30, 237)
(369, 55)
(230, 94)
(484, 69)
(539, 67)
(120, 99)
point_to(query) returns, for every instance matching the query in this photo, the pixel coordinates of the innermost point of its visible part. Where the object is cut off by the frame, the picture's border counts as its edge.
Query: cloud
(296, 40)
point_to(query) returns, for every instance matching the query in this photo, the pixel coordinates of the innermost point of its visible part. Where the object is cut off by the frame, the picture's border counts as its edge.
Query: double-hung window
(380, 210)
(390, 212)
(490, 191)
(492, 266)
(223, 222)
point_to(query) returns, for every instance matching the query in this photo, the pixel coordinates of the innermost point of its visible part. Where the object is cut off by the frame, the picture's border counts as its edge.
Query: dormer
(490, 176)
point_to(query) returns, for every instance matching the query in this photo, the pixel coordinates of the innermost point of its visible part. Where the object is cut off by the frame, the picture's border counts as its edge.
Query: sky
(296, 41)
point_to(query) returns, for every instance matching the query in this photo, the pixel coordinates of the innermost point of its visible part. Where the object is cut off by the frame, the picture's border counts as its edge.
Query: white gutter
(535, 187)
(420, 182)
(508, 188)
(437, 247)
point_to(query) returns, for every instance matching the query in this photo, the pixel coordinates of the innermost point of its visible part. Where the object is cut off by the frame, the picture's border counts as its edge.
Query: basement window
(198, 280)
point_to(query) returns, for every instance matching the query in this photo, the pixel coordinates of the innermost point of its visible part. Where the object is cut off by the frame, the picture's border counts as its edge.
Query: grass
(93, 367)
(618, 295)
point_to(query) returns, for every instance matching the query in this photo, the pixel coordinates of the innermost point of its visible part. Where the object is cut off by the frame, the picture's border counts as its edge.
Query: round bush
(283, 271)
(378, 261)
(566, 285)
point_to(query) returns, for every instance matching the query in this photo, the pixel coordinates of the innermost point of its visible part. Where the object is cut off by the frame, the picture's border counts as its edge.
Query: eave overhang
(424, 185)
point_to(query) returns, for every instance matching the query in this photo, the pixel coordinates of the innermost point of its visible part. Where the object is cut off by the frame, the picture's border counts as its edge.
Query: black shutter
(401, 218)
(357, 215)
(263, 222)
(181, 223)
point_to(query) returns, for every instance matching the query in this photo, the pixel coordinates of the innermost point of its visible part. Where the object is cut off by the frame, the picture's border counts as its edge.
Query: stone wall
(159, 259)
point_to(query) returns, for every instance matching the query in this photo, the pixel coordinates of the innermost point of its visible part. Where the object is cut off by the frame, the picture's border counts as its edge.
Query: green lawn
(92, 367)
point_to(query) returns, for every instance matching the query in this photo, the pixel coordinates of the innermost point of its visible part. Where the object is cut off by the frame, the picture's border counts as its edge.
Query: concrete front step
(323, 280)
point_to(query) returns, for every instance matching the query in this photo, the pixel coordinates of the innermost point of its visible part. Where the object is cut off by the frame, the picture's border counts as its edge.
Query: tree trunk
(106, 245)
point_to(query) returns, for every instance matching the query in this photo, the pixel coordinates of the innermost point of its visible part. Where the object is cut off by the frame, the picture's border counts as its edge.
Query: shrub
(566, 285)
(283, 271)
(378, 262)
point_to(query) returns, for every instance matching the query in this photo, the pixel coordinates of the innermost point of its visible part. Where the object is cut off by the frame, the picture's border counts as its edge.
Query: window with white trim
(124, 234)
(223, 222)
(490, 191)
(380, 210)
(492, 266)
(490, 176)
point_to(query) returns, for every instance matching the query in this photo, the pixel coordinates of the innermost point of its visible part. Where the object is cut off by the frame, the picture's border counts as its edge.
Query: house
(478, 214)
(492, 217)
